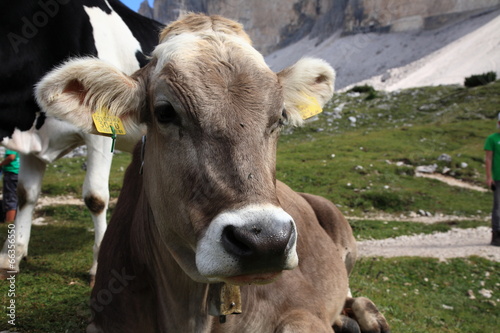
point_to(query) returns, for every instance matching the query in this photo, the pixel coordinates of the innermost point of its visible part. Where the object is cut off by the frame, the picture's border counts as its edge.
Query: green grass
(425, 295)
(355, 166)
(53, 286)
(65, 176)
(360, 177)
(412, 126)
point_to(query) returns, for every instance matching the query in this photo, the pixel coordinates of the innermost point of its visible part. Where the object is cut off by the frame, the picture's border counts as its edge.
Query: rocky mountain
(398, 60)
(389, 44)
(275, 24)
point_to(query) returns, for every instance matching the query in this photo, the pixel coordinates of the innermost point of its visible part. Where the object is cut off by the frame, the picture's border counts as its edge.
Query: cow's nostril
(269, 242)
(235, 242)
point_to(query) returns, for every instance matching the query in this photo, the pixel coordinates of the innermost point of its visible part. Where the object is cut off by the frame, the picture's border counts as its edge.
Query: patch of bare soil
(63, 200)
(451, 181)
(58, 200)
(414, 217)
(443, 245)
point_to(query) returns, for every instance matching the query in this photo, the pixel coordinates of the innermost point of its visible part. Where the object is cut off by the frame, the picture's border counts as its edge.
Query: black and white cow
(36, 36)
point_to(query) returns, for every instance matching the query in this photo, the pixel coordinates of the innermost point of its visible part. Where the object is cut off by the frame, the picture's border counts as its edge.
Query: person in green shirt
(492, 162)
(10, 169)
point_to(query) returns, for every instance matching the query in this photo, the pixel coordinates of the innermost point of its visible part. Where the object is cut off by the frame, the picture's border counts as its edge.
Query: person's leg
(10, 196)
(495, 216)
(10, 215)
(2, 207)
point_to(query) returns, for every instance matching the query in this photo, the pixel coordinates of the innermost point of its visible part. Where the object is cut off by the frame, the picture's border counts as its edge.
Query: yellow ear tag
(105, 123)
(310, 109)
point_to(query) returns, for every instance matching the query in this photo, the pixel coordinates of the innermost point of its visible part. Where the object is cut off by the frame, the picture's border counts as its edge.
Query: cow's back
(35, 38)
(142, 28)
(28, 49)
(324, 241)
(336, 226)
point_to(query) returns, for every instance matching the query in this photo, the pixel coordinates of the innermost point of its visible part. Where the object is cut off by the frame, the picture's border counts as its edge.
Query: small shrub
(480, 80)
(371, 95)
(363, 89)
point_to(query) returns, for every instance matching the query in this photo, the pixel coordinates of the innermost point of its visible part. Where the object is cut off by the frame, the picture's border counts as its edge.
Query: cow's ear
(307, 84)
(80, 87)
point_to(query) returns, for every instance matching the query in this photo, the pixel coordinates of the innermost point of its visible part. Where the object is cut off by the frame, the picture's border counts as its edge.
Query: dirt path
(451, 181)
(63, 200)
(452, 244)
(59, 200)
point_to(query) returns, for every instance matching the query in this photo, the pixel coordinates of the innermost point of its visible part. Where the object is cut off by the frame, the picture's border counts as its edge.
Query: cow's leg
(96, 189)
(365, 313)
(29, 186)
(299, 321)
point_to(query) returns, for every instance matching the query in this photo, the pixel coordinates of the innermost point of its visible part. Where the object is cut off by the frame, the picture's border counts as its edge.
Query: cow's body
(200, 203)
(36, 37)
(166, 299)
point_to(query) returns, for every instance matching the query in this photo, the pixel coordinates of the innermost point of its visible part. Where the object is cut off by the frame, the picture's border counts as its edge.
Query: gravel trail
(456, 243)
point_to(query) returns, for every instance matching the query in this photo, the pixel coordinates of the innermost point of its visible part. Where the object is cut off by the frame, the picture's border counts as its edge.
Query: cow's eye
(277, 124)
(165, 113)
(284, 117)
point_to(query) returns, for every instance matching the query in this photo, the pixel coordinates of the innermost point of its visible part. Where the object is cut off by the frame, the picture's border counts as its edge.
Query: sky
(134, 4)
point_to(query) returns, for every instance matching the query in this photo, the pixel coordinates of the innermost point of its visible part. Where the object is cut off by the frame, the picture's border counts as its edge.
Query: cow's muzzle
(260, 246)
(252, 241)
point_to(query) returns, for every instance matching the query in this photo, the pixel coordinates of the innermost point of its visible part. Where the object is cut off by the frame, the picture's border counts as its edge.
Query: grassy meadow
(354, 163)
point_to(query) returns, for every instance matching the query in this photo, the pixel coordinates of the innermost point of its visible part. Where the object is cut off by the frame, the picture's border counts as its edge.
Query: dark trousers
(9, 191)
(495, 214)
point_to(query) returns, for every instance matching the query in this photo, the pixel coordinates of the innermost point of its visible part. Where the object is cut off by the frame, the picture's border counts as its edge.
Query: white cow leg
(96, 190)
(29, 185)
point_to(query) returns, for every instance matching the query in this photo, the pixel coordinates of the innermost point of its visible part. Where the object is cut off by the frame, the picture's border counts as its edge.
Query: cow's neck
(184, 300)
(185, 303)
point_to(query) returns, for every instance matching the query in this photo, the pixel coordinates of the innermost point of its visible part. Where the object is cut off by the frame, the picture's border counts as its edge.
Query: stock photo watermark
(10, 307)
(31, 26)
(115, 286)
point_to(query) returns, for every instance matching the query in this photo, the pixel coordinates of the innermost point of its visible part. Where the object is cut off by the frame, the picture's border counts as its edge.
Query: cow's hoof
(366, 314)
(7, 273)
(346, 325)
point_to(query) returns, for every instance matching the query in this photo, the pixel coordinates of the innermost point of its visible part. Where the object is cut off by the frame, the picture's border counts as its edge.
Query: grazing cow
(200, 205)
(37, 35)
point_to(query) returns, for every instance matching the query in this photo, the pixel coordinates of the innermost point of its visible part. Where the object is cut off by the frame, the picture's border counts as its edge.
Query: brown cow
(207, 208)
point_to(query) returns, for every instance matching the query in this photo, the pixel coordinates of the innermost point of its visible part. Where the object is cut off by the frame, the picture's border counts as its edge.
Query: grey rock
(445, 158)
(427, 168)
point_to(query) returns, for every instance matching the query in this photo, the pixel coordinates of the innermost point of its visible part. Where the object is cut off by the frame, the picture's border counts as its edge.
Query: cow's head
(213, 111)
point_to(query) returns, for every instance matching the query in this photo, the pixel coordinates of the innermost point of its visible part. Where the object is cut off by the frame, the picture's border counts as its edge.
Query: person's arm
(488, 162)
(8, 160)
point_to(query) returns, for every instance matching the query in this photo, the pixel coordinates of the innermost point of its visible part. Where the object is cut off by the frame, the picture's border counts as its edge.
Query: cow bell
(223, 300)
